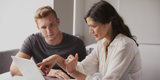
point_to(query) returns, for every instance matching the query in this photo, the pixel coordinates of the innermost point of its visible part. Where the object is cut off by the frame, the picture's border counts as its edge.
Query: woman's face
(98, 30)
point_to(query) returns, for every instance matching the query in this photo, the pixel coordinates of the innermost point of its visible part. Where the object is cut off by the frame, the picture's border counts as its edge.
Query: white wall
(78, 18)
(17, 21)
(64, 10)
(150, 62)
(143, 18)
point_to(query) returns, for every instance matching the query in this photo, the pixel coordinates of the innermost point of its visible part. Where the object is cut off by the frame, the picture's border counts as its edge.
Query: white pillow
(89, 48)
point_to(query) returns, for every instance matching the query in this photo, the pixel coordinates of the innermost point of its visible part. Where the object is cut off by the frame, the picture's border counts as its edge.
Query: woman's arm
(71, 65)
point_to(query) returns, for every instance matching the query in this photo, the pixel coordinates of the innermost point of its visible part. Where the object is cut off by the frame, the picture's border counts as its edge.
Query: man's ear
(37, 27)
(58, 21)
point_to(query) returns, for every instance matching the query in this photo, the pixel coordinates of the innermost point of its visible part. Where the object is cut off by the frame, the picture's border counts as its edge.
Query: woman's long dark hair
(104, 13)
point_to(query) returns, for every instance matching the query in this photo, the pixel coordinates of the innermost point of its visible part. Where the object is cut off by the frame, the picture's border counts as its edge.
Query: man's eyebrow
(43, 26)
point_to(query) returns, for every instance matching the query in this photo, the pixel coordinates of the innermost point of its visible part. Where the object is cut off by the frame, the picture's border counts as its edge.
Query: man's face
(48, 26)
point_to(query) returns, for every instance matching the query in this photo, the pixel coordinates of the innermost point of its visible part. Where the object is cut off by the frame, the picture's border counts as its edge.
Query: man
(48, 42)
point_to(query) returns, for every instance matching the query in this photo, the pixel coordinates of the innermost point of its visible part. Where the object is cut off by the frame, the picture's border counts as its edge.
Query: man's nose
(49, 30)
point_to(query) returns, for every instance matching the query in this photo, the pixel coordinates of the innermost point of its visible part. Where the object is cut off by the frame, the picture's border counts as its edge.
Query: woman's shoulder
(122, 40)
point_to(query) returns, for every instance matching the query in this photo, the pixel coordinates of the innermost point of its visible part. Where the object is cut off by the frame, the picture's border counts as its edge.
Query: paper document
(28, 69)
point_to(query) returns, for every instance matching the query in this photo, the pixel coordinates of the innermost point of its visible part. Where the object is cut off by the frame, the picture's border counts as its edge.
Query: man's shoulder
(72, 38)
(69, 36)
(34, 36)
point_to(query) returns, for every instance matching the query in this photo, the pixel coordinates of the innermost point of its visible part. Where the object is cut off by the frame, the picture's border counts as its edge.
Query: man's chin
(51, 39)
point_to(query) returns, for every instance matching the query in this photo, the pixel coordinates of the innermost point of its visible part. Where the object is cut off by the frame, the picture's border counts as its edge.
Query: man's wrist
(78, 75)
(55, 57)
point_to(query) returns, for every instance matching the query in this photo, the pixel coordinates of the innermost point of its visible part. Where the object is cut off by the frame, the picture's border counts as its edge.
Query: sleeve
(89, 65)
(27, 46)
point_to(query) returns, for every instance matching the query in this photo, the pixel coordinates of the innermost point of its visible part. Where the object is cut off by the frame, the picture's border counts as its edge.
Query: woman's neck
(108, 40)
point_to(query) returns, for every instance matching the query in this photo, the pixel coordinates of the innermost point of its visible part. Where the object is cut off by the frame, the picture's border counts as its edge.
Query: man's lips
(50, 35)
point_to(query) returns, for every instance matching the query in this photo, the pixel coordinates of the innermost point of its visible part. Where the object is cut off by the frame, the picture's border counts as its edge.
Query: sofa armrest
(5, 59)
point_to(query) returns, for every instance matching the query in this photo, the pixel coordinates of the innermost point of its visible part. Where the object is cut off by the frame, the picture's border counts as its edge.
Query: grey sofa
(5, 59)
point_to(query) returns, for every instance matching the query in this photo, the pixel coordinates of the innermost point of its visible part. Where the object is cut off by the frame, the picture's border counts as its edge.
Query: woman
(116, 56)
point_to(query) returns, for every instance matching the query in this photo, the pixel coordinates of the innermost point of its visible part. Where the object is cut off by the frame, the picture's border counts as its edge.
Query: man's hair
(44, 12)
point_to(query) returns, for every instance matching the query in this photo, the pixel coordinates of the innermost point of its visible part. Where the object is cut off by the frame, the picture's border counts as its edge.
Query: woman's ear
(110, 23)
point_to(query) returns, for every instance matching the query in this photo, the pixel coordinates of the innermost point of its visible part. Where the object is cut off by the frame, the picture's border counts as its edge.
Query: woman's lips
(95, 36)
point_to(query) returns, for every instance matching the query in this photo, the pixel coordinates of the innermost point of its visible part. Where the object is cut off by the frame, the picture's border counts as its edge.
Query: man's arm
(13, 68)
(81, 50)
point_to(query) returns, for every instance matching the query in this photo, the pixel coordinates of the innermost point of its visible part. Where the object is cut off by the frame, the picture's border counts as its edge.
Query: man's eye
(51, 25)
(43, 27)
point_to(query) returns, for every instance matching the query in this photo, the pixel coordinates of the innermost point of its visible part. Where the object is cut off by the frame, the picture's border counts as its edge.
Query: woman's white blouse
(123, 61)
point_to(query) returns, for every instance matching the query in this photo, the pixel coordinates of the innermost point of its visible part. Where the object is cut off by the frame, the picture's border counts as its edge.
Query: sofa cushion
(89, 48)
(5, 59)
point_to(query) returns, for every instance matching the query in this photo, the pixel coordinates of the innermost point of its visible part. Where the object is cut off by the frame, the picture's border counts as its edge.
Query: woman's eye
(93, 26)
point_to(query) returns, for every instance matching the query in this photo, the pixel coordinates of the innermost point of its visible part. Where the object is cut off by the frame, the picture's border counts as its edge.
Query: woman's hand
(48, 63)
(71, 63)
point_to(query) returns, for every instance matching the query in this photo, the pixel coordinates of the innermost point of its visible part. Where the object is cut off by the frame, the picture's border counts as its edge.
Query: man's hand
(48, 63)
(59, 74)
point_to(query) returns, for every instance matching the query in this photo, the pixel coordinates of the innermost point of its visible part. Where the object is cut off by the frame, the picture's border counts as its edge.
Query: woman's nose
(91, 31)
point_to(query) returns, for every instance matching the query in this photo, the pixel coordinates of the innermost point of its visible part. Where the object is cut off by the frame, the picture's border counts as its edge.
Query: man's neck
(57, 41)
